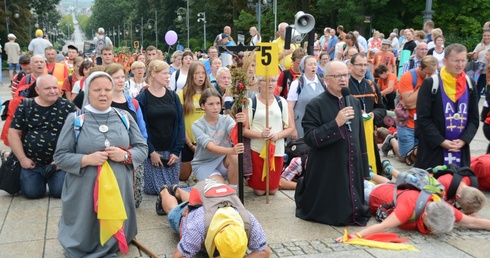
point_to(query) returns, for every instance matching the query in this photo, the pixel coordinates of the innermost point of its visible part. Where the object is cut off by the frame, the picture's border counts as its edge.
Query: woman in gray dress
(80, 152)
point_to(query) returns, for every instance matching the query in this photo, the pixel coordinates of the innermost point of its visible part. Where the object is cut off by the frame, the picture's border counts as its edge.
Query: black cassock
(332, 189)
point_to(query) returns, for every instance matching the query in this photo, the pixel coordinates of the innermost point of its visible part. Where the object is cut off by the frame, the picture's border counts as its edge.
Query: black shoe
(158, 204)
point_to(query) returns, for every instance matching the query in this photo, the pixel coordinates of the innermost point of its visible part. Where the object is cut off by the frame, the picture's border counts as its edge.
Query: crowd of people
(158, 123)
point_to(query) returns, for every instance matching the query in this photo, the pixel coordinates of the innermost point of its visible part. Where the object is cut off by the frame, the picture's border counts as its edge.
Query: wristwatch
(126, 156)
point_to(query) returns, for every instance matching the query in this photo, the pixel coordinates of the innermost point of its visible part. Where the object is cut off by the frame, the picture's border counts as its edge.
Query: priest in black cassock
(332, 189)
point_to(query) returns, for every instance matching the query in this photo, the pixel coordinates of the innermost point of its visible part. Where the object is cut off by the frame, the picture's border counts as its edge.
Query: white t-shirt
(132, 88)
(338, 49)
(293, 88)
(76, 87)
(277, 121)
(255, 40)
(180, 82)
(38, 45)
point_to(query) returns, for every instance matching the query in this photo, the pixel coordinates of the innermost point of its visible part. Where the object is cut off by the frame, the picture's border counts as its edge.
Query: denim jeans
(33, 183)
(406, 140)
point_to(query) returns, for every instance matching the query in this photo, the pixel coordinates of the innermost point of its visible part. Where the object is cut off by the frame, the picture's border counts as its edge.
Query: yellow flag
(111, 210)
(369, 133)
(377, 244)
(263, 155)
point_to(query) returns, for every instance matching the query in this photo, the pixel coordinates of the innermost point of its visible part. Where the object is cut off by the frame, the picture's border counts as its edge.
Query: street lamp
(150, 27)
(259, 7)
(179, 12)
(7, 17)
(202, 19)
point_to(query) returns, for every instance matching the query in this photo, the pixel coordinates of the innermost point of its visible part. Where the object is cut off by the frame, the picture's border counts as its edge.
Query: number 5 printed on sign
(267, 63)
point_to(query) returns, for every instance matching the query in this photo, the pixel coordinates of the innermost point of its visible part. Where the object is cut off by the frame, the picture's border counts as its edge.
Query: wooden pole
(267, 142)
(145, 249)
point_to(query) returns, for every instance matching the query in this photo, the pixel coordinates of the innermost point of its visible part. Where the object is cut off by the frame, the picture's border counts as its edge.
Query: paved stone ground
(28, 228)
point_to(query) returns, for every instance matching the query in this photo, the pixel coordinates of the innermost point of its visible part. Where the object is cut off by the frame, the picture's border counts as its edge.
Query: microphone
(345, 93)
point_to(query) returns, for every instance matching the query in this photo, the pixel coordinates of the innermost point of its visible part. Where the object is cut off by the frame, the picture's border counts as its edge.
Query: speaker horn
(296, 38)
(303, 22)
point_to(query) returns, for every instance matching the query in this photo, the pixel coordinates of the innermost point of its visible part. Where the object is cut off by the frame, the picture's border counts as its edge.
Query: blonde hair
(419, 34)
(113, 68)
(137, 64)
(155, 66)
(471, 200)
(436, 32)
(429, 61)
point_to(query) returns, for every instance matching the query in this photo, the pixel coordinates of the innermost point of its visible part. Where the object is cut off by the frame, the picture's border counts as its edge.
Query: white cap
(101, 30)
(11, 36)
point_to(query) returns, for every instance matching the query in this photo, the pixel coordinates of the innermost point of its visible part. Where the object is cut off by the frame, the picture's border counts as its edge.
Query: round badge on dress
(103, 128)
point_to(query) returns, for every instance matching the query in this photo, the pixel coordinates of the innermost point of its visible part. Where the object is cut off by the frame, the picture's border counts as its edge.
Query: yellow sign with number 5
(266, 60)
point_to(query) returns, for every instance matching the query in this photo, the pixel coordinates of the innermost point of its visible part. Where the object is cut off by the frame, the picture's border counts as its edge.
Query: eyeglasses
(423, 49)
(361, 65)
(338, 76)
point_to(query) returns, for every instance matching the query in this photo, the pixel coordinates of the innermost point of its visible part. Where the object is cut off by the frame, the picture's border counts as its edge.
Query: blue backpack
(79, 119)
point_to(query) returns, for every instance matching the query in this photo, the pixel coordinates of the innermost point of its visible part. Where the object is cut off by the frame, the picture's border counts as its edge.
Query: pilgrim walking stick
(267, 141)
(145, 249)
(240, 161)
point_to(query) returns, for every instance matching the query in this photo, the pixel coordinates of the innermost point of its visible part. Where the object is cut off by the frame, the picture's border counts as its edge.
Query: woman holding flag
(263, 136)
(100, 148)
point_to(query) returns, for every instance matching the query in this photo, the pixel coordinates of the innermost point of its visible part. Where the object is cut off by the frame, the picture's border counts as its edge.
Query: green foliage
(66, 26)
(83, 22)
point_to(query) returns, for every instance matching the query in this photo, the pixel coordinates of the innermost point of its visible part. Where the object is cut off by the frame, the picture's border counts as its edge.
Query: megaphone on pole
(303, 22)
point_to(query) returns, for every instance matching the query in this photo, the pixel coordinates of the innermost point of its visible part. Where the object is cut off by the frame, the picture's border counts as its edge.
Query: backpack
(411, 63)
(413, 179)
(435, 83)
(296, 148)
(79, 119)
(213, 195)
(5, 110)
(301, 82)
(177, 73)
(254, 104)
(286, 81)
(100, 44)
(458, 174)
(373, 95)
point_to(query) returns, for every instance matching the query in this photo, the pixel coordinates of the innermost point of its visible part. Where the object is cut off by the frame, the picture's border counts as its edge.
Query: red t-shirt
(405, 206)
(280, 82)
(445, 181)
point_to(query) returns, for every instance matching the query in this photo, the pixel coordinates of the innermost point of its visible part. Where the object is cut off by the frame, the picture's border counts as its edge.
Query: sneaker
(387, 167)
(386, 147)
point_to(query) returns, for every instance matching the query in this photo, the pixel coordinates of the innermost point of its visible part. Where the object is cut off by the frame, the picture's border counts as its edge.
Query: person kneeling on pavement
(33, 135)
(228, 231)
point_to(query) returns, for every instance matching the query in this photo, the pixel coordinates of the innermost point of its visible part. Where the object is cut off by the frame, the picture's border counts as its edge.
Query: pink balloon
(171, 37)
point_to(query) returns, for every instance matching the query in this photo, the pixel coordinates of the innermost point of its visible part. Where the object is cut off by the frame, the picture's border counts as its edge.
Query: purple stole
(456, 116)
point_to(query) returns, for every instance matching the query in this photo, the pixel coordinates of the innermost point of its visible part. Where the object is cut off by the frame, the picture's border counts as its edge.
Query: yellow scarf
(111, 211)
(453, 86)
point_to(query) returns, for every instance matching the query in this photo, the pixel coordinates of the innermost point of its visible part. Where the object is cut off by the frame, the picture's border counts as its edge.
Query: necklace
(103, 128)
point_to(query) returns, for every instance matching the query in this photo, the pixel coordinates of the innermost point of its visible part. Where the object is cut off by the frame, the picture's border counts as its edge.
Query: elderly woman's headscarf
(86, 86)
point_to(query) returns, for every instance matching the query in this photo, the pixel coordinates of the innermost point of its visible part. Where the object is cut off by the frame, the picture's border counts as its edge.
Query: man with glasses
(334, 195)
(447, 113)
(420, 52)
(366, 90)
